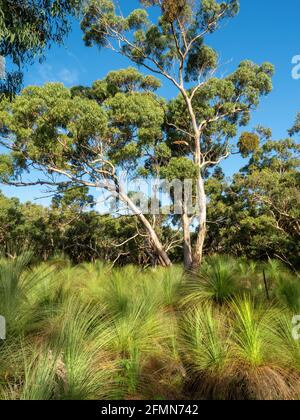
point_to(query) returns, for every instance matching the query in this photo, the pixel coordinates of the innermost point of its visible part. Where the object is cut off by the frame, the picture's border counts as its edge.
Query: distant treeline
(256, 215)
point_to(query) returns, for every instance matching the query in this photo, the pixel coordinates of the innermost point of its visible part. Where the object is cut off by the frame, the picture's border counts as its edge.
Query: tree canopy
(74, 140)
(257, 214)
(27, 28)
(209, 108)
(83, 137)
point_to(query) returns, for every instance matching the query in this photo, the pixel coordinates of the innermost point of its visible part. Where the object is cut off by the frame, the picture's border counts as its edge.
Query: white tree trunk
(202, 219)
(187, 244)
(201, 206)
(157, 245)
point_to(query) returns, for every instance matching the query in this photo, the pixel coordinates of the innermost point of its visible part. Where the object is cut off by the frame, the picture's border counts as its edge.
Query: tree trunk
(157, 245)
(201, 199)
(202, 209)
(187, 245)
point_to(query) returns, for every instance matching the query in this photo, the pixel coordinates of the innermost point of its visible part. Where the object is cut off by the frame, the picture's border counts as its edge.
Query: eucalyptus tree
(296, 127)
(27, 27)
(257, 214)
(83, 137)
(273, 180)
(206, 113)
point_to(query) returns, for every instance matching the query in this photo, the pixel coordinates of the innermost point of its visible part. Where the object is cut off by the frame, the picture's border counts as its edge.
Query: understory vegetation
(93, 331)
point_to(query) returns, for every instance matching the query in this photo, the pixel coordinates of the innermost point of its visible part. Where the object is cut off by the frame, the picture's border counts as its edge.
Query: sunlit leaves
(26, 27)
(249, 142)
(117, 119)
(48, 126)
(164, 41)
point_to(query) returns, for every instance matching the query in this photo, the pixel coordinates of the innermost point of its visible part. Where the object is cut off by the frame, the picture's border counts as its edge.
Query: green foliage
(53, 124)
(284, 285)
(205, 345)
(89, 134)
(257, 213)
(39, 375)
(27, 27)
(68, 228)
(296, 127)
(252, 336)
(248, 143)
(216, 282)
(179, 168)
(232, 97)
(25, 31)
(78, 336)
(154, 40)
(93, 332)
(234, 352)
(6, 167)
(176, 42)
(16, 285)
(62, 130)
(129, 80)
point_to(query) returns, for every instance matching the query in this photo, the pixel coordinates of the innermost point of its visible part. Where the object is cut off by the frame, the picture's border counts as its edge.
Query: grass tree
(83, 137)
(209, 109)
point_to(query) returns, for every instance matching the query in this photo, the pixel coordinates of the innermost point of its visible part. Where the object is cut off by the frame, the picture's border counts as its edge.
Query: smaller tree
(83, 138)
(257, 214)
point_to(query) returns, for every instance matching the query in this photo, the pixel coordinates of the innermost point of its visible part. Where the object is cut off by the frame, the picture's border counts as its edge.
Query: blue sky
(264, 30)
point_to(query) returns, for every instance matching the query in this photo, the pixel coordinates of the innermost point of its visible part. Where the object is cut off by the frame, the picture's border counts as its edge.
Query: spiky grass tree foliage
(250, 278)
(91, 332)
(38, 381)
(80, 339)
(287, 292)
(259, 370)
(285, 285)
(287, 344)
(168, 283)
(137, 336)
(141, 332)
(239, 351)
(17, 284)
(206, 351)
(30, 375)
(217, 281)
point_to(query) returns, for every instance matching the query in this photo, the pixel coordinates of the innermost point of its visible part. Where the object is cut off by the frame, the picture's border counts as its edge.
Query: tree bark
(201, 196)
(157, 245)
(187, 244)
(202, 208)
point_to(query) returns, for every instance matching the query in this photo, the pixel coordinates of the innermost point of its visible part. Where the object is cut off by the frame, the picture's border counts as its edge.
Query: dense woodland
(255, 215)
(197, 304)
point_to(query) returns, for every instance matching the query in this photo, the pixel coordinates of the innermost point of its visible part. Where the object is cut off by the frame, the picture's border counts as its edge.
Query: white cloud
(70, 77)
(47, 73)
